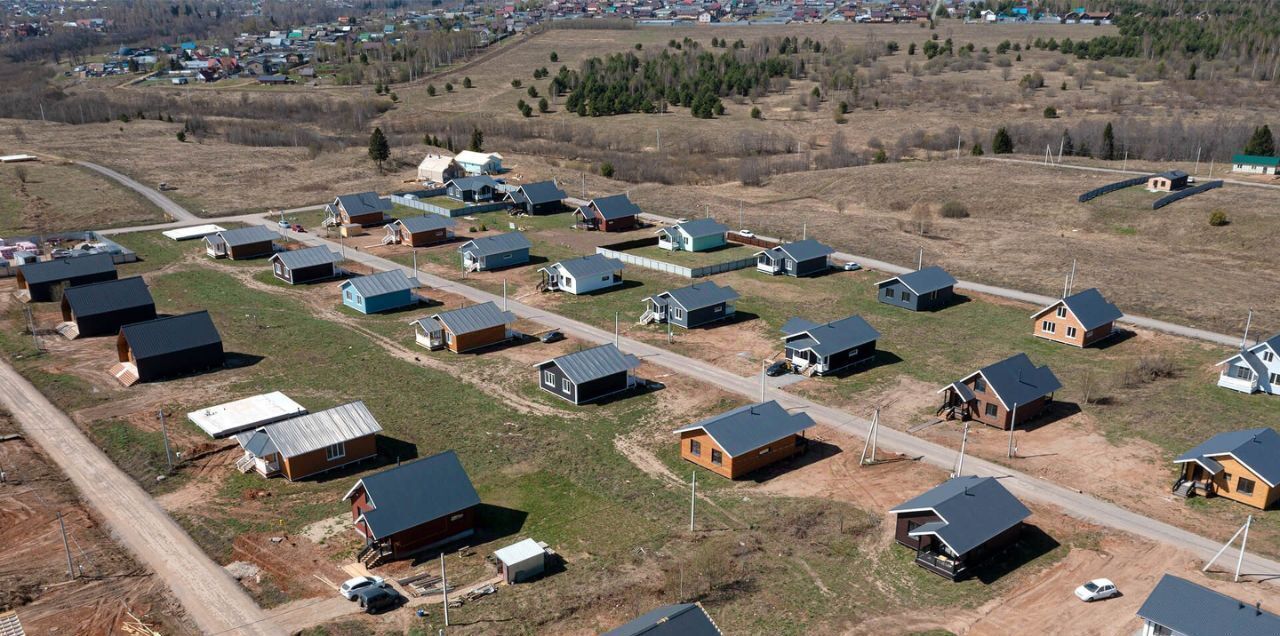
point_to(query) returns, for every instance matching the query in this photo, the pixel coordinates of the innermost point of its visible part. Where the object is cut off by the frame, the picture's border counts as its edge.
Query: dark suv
(375, 599)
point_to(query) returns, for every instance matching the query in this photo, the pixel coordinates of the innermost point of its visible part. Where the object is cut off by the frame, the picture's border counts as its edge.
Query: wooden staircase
(372, 556)
(69, 330)
(23, 295)
(244, 464)
(126, 373)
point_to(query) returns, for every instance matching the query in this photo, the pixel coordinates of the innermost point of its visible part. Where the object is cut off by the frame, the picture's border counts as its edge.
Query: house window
(1245, 486)
(992, 410)
(718, 309)
(979, 385)
(888, 292)
(549, 378)
(568, 281)
(717, 457)
(604, 279)
(1071, 332)
(348, 294)
(1226, 482)
(678, 313)
(456, 517)
(765, 450)
(1275, 379)
(1243, 373)
(1048, 327)
(1268, 356)
(906, 295)
(566, 386)
(336, 451)
(695, 448)
(1062, 311)
(507, 256)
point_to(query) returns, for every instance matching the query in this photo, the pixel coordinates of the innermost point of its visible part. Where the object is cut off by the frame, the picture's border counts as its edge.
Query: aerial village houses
(801, 258)
(474, 189)
(365, 208)
(167, 347)
(588, 375)
(814, 349)
(745, 439)
(1167, 181)
(495, 252)
(1243, 466)
(44, 281)
(438, 169)
(609, 214)
(305, 265)
(685, 619)
(542, 197)
(420, 231)
(698, 235)
(959, 524)
(379, 292)
(1080, 319)
(582, 275)
(310, 444)
(693, 306)
(1178, 607)
(465, 329)
(101, 309)
(414, 506)
(1005, 394)
(926, 289)
(242, 243)
(473, 162)
(1254, 369)
(1253, 164)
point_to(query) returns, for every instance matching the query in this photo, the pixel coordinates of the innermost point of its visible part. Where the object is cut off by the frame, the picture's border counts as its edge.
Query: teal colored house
(379, 292)
(698, 235)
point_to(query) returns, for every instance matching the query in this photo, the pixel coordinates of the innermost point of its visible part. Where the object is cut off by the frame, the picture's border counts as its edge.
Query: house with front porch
(310, 444)
(465, 329)
(801, 258)
(582, 275)
(959, 524)
(474, 189)
(693, 306)
(820, 349)
(1254, 369)
(1242, 466)
(495, 252)
(698, 235)
(1005, 394)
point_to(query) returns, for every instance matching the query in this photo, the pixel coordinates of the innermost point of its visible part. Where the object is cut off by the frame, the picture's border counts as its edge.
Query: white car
(1097, 590)
(746, 233)
(351, 587)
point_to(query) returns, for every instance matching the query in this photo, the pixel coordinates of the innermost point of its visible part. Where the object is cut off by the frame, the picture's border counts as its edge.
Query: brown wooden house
(959, 524)
(420, 231)
(740, 441)
(465, 329)
(609, 214)
(364, 208)
(1243, 466)
(310, 444)
(413, 507)
(1008, 393)
(1079, 319)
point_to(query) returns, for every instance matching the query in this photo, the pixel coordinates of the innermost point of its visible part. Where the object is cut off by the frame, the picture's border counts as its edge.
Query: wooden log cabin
(959, 524)
(745, 439)
(1242, 466)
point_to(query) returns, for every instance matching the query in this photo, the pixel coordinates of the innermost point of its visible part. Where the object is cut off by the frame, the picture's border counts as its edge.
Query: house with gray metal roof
(745, 439)
(588, 375)
(698, 304)
(820, 349)
(466, 328)
(958, 524)
(242, 243)
(101, 309)
(615, 213)
(1080, 319)
(495, 252)
(685, 619)
(581, 275)
(420, 231)
(1255, 368)
(167, 347)
(1178, 607)
(474, 189)
(305, 265)
(926, 289)
(1004, 394)
(43, 281)
(363, 208)
(698, 235)
(1243, 466)
(801, 258)
(541, 197)
(310, 444)
(1167, 181)
(413, 506)
(379, 292)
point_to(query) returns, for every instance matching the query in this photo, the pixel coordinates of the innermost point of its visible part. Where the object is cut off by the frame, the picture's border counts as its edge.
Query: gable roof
(436, 162)
(612, 208)
(1016, 380)
(363, 203)
(923, 281)
(802, 250)
(700, 227)
(830, 338)
(538, 192)
(471, 156)
(1172, 174)
(306, 257)
(594, 363)
(1195, 610)
(686, 619)
(425, 223)
(113, 295)
(247, 235)
(314, 431)
(1256, 160)
(590, 265)
(749, 427)
(414, 493)
(1249, 353)
(973, 511)
(1089, 307)
(66, 268)
(497, 244)
(388, 282)
(699, 295)
(172, 334)
(469, 319)
(1257, 448)
(474, 182)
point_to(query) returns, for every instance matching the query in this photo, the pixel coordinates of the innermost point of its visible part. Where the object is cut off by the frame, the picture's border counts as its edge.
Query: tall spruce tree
(1001, 143)
(477, 140)
(1108, 143)
(1261, 144)
(379, 149)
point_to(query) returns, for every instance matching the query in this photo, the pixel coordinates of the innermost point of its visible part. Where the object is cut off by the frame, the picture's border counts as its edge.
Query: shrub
(606, 170)
(1050, 112)
(484, 228)
(880, 157)
(555, 57)
(431, 90)
(515, 83)
(472, 229)
(954, 210)
(448, 87)
(466, 82)
(1001, 143)
(1218, 218)
(1148, 369)
(182, 137)
(755, 112)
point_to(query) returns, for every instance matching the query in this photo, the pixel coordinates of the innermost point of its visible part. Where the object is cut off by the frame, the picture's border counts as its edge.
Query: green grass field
(730, 252)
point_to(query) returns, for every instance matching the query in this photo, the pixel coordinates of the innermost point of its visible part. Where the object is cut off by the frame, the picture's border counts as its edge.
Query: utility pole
(164, 430)
(669, 339)
(615, 329)
(1125, 166)
(71, 570)
(1244, 541)
(804, 231)
(958, 138)
(1240, 559)
(763, 367)
(870, 445)
(960, 458)
(1061, 144)
(415, 262)
(444, 590)
(1013, 423)
(1197, 168)
(920, 260)
(1072, 280)
(504, 294)
(584, 184)
(1248, 322)
(659, 132)
(693, 493)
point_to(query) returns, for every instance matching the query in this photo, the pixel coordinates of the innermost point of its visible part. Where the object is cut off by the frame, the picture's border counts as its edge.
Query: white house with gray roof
(582, 275)
(698, 235)
(588, 375)
(1253, 369)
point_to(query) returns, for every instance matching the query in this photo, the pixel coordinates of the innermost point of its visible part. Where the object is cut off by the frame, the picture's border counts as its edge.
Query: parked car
(681, 220)
(1097, 590)
(851, 267)
(352, 587)
(298, 228)
(551, 336)
(375, 599)
(746, 233)
(776, 369)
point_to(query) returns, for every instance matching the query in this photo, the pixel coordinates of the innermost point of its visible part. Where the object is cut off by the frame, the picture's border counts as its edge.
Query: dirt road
(175, 211)
(214, 601)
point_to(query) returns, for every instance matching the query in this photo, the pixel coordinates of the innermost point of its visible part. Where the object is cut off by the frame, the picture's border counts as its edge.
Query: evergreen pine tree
(1261, 144)
(1002, 143)
(1108, 143)
(477, 140)
(379, 149)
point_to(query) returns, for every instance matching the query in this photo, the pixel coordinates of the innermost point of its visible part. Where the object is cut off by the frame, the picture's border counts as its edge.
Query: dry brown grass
(48, 197)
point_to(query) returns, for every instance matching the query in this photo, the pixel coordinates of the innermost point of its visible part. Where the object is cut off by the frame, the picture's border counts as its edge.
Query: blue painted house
(379, 292)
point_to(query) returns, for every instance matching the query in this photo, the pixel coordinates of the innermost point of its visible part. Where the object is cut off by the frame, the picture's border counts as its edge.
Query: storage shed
(44, 281)
(379, 292)
(1167, 181)
(167, 347)
(305, 265)
(101, 309)
(926, 289)
(522, 561)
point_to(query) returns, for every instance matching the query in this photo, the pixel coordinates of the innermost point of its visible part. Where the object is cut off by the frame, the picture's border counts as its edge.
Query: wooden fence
(1111, 187)
(616, 251)
(432, 208)
(1182, 194)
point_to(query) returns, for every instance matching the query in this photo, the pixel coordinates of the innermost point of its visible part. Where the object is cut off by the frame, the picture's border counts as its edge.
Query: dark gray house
(814, 349)
(802, 258)
(543, 197)
(495, 252)
(927, 289)
(685, 619)
(101, 309)
(167, 347)
(959, 524)
(588, 375)
(693, 306)
(44, 281)
(241, 243)
(1178, 607)
(472, 189)
(305, 265)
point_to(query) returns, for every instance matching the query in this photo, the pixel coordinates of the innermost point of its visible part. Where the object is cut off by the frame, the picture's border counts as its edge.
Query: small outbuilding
(1080, 319)
(523, 561)
(414, 506)
(379, 292)
(420, 231)
(44, 281)
(745, 439)
(310, 444)
(959, 524)
(495, 252)
(801, 258)
(305, 265)
(588, 375)
(101, 309)
(1167, 181)
(698, 235)
(542, 197)
(926, 289)
(242, 243)
(465, 329)
(582, 275)
(685, 619)
(614, 213)
(167, 347)
(693, 306)
(474, 189)
(1008, 393)
(820, 349)
(1178, 607)
(364, 208)
(436, 168)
